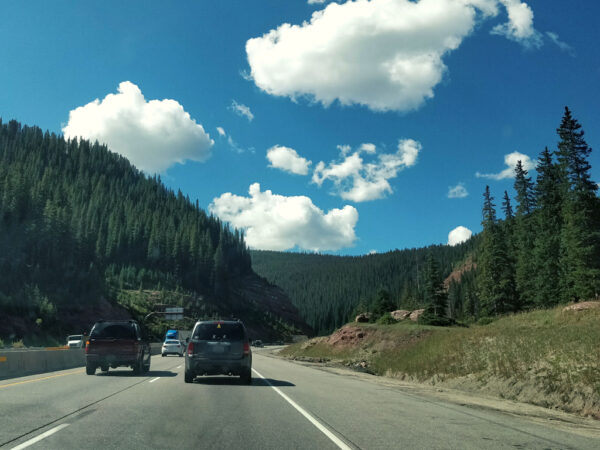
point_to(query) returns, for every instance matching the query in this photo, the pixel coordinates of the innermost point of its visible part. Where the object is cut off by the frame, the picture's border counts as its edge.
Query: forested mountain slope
(79, 223)
(327, 289)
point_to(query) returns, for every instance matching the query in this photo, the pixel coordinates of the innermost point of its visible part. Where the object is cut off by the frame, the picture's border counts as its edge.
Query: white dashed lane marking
(40, 437)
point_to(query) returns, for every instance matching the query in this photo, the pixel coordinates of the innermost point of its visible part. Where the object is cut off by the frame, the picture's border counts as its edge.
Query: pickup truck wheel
(89, 369)
(188, 377)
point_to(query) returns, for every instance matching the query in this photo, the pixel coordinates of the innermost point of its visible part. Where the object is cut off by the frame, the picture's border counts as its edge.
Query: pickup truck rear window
(219, 332)
(113, 331)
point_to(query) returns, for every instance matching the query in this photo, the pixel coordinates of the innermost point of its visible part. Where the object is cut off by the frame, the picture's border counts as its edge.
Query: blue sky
(439, 90)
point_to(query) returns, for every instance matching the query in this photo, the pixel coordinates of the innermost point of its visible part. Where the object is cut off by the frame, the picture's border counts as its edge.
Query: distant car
(114, 343)
(258, 343)
(75, 341)
(172, 347)
(219, 347)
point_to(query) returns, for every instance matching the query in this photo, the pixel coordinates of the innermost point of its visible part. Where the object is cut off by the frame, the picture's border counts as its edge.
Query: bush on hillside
(386, 319)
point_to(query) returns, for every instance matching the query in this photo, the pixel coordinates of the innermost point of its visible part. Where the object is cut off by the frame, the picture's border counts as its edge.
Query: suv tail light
(190, 350)
(87, 346)
(246, 348)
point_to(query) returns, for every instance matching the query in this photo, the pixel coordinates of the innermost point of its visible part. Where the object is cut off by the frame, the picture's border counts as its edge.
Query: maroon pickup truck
(114, 343)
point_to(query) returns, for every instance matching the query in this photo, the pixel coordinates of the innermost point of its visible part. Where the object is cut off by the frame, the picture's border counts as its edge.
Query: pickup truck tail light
(246, 348)
(190, 350)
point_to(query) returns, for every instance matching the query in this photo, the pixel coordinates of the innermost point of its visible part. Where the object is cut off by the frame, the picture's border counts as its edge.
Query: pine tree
(507, 208)
(496, 281)
(547, 226)
(580, 234)
(435, 293)
(523, 238)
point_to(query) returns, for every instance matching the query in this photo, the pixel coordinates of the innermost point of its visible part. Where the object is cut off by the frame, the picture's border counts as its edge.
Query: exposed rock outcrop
(400, 314)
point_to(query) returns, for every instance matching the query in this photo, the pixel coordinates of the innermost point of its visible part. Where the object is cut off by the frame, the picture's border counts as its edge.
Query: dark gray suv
(219, 347)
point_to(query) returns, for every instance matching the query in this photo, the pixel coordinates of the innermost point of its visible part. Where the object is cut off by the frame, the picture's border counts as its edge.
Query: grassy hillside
(549, 358)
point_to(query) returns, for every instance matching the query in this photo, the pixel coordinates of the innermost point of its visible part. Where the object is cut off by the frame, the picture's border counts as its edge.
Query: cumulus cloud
(382, 54)
(242, 110)
(519, 27)
(358, 181)
(458, 191)
(368, 148)
(510, 161)
(458, 235)
(153, 134)
(288, 160)
(221, 131)
(277, 222)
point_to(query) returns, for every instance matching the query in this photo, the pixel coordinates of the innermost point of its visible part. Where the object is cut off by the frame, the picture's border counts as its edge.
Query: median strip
(337, 441)
(40, 437)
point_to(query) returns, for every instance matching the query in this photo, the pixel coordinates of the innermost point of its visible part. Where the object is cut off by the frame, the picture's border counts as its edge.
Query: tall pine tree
(523, 238)
(580, 233)
(547, 225)
(496, 280)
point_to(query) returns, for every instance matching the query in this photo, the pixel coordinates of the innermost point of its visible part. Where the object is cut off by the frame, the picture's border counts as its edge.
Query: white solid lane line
(154, 379)
(40, 437)
(337, 441)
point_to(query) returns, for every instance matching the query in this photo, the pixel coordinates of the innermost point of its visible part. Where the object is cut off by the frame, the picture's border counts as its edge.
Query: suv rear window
(219, 331)
(109, 330)
(76, 337)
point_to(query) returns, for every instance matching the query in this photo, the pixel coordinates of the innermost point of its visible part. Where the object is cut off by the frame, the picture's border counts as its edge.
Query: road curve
(287, 406)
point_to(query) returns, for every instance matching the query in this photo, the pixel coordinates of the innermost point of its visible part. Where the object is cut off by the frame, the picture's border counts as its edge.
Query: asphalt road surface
(287, 406)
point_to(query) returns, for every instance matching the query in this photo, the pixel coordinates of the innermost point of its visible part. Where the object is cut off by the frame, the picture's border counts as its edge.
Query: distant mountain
(327, 289)
(79, 225)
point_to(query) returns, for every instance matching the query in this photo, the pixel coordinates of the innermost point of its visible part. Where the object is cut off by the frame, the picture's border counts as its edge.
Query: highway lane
(120, 410)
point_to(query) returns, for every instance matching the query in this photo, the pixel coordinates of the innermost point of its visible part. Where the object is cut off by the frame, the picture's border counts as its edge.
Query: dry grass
(549, 358)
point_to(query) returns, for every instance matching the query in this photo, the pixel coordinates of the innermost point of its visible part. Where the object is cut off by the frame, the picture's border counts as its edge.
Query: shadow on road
(129, 373)
(232, 381)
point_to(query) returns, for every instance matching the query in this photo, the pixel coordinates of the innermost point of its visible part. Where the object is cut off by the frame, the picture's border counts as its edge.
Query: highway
(293, 407)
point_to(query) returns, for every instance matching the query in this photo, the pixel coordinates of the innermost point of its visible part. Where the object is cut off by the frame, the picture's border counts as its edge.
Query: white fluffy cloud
(242, 110)
(383, 54)
(287, 159)
(458, 191)
(519, 27)
(458, 235)
(510, 161)
(153, 134)
(358, 181)
(276, 222)
(221, 131)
